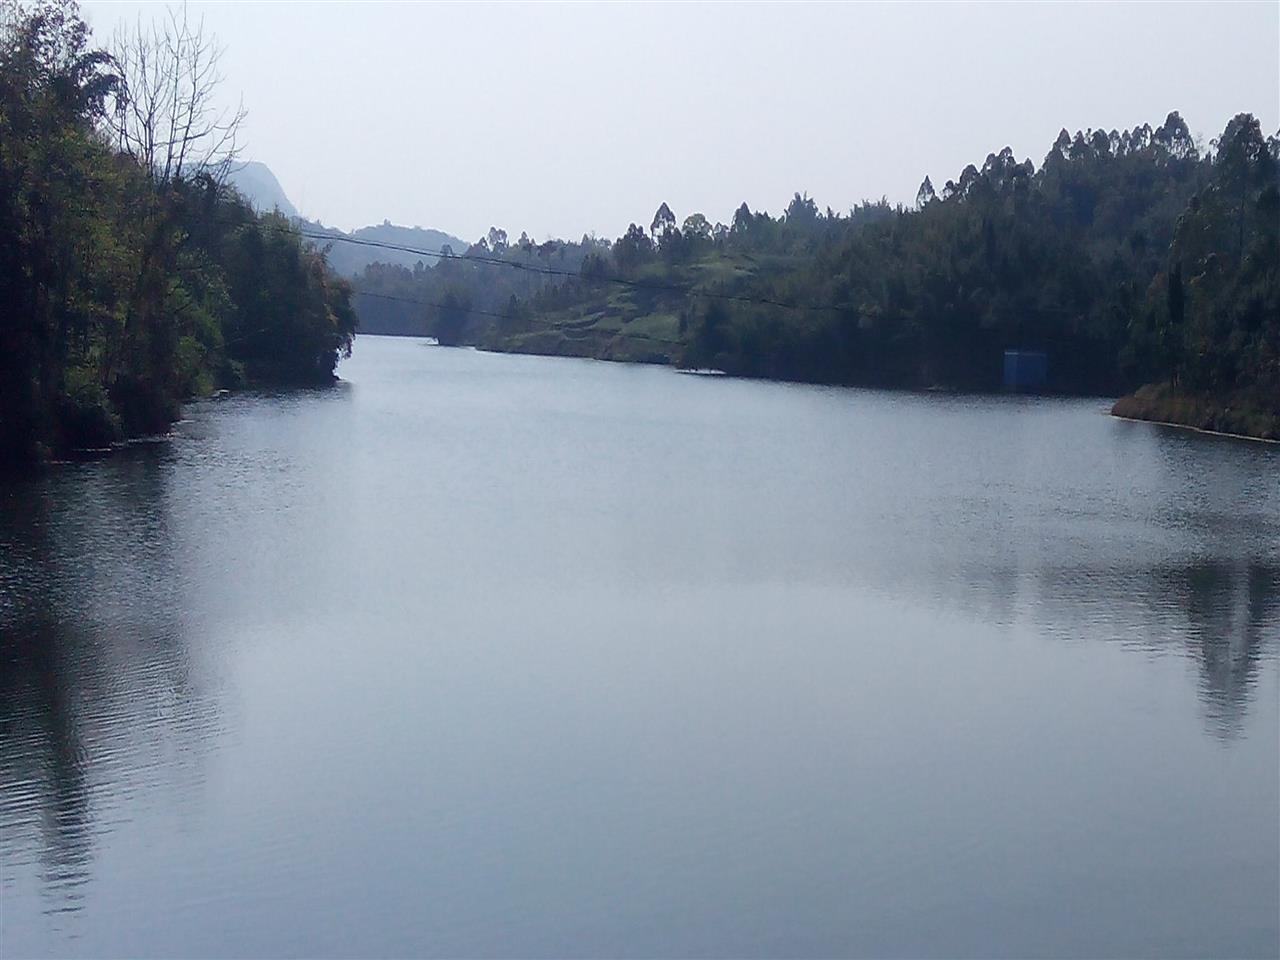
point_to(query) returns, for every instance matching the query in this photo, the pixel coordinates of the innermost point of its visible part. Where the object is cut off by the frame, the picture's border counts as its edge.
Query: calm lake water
(480, 655)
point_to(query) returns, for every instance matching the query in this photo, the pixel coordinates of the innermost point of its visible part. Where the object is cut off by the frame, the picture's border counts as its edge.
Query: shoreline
(1194, 429)
(522, 350)
(1240, 414)
(668, 360)
(70, 454)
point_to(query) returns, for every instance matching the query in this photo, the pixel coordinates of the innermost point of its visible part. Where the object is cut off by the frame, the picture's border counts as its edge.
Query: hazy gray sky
(565, 119)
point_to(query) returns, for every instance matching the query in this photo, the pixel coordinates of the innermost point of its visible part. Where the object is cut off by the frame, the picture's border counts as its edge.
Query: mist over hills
(257, 184)
(350, 259)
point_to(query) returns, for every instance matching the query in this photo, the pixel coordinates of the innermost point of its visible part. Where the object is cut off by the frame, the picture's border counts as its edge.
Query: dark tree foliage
(121, 291)
(451, 319)
(1221, 309)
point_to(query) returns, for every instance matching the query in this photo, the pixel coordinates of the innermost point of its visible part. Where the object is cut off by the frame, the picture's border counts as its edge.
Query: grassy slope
(1239, 414)
(629, 323)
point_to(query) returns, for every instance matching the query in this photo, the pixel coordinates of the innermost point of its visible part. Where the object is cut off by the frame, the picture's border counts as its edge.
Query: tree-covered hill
(1072, 258)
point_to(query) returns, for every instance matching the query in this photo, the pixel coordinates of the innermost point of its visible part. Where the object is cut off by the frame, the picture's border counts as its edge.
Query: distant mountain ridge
(257, 184)
(350, 259)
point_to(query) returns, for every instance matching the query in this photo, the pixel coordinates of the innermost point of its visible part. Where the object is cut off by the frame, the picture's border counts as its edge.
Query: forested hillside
(130, 278)
(1128, 257)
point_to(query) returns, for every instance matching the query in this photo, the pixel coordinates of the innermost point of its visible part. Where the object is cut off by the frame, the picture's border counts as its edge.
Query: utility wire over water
(569, 274)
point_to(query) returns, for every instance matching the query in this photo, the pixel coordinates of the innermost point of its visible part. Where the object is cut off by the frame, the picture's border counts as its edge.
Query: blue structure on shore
(1025, 369)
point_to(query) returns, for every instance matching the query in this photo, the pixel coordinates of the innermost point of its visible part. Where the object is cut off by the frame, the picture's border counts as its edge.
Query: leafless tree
(168, 116)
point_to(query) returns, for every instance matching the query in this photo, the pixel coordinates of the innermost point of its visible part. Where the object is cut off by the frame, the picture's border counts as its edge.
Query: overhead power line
(567, 274)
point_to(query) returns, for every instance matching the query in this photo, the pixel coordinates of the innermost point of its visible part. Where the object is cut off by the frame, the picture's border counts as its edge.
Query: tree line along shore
(1137, 263)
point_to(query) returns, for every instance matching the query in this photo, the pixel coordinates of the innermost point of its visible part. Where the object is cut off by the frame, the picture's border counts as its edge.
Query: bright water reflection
(486, 655)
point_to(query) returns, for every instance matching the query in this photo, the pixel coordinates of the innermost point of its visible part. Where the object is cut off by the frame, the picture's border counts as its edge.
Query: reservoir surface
(488, 655)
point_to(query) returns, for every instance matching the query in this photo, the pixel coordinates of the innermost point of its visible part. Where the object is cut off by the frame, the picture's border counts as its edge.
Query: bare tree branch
(166, 114)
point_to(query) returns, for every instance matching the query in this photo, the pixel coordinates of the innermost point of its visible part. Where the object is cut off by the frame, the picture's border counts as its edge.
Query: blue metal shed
(1025, 369)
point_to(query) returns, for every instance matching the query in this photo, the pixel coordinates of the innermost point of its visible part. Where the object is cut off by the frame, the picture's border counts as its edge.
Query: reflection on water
(97, 698)
(1223, 615)
(480, 650)
(42, 758)
(1231, 612)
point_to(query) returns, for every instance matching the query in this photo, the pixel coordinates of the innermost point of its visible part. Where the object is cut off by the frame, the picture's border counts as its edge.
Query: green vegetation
(130, 278)
(1129, 258)
(1212, 317)
(1244, 413)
